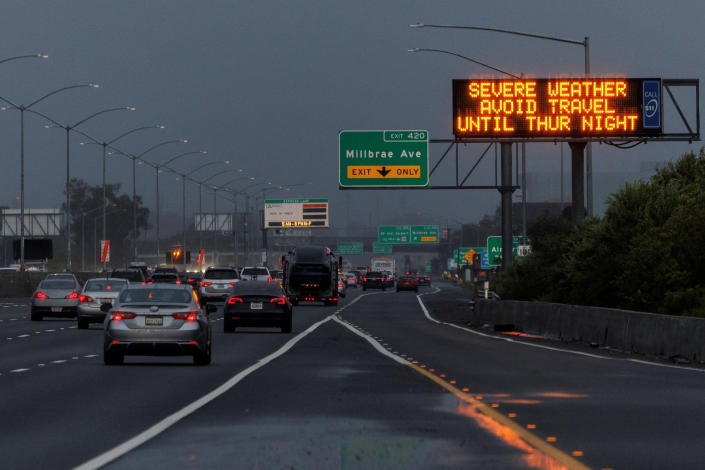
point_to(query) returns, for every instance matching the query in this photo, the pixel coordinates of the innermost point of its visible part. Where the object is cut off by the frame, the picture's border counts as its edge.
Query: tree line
(647, 253)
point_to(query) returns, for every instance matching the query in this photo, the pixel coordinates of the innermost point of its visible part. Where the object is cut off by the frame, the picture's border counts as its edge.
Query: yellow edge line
(528, 437)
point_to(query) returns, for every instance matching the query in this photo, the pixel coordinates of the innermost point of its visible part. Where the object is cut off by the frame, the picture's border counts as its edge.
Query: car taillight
(72, 295)
(117, 316)
(364, 279)
(178, 282)
(85, 298)
(206, 283)
(41, 295)
(277, 300)
(269, 278)
(188, 316)
(232, 283)
(234, 300)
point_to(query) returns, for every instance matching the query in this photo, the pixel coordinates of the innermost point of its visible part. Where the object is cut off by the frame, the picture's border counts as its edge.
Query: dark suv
(374, 280)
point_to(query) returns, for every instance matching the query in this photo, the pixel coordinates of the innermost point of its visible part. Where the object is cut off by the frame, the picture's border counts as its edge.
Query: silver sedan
(95, 293)
(56, 296)
(157, 320)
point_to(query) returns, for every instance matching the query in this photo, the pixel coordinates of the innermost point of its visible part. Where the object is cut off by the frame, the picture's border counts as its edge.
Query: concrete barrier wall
(22, 284)
(646, 333)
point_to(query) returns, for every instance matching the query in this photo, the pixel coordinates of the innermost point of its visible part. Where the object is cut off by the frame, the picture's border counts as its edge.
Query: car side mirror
(210, 308)
(106, 307)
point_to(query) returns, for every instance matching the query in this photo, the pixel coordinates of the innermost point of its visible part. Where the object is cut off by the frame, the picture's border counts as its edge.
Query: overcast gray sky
(268, 85)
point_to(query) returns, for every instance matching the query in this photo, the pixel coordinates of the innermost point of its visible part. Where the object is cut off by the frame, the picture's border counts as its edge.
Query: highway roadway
(383, 380)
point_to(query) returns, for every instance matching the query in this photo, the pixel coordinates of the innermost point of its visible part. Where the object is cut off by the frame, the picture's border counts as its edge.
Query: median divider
(625, 330)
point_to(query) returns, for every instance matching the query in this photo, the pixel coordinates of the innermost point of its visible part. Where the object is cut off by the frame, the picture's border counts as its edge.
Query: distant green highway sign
(494, 249)
(408, 234)
(349, 248)
(379, 247)
(383, 158)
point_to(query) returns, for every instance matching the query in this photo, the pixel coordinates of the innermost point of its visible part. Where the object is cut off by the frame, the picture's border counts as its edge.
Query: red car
(407, 283)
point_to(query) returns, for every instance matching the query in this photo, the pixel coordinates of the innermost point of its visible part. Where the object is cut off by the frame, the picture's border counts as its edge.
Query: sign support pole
(506, 191)
(577, 150)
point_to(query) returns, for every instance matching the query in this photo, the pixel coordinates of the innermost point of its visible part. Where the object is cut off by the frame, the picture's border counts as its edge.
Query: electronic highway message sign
(594, 108)
(295, 213)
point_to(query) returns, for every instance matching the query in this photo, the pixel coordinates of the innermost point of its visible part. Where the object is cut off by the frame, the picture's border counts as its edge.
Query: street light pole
(586, 45)
(22, 109)
(68, 128)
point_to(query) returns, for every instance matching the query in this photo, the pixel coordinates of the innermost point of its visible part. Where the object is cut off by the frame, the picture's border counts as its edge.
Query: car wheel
(82, 323)
(286, 325)
(203, 358)
(111, 358)
(228, 327)
(36, 316)
(416, 290)
(383, 289)
(397, 289)
(364, 288)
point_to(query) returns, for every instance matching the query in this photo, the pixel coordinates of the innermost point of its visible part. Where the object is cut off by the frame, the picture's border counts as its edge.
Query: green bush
(646, 253)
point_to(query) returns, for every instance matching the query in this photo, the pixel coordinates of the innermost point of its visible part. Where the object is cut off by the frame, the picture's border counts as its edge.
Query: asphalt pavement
(384, 380)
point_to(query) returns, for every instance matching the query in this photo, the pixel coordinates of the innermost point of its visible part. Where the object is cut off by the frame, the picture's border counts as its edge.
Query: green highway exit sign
(383, 158)
(494, 249)
(407, 234)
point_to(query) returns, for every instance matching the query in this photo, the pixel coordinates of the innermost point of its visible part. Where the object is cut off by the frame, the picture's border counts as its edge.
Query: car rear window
(155, 295)
(102, 286)
(135, 276)
(57, 284)
(373, 275)
(258, 288)
(255, 271)
(221, 274)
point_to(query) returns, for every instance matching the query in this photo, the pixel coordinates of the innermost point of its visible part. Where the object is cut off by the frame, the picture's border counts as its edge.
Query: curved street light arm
(36, 56)
(154, 147)
(56, 123)
(85, 85)
(497, 30)
(93, 139)
(124, 108)
(238, 179)
(207, 165)
(9, 102)
(201, 152)
(124, 134)
(235, 170)
(418, 49)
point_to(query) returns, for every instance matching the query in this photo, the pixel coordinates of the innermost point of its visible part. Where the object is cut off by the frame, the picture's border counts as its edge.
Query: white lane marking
(49, 330)
(375, 344)
(15, 371)
(41, 365)
(23, 336)
(669, 366)
(509, 340)
(594, 356)
(58, 361)
(161, 426)
(90, 355)
(74, 357)
(13, 319)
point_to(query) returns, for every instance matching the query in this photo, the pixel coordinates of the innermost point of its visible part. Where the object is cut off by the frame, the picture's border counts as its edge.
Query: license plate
(255, 305)
(56, 309)
(106, 301)
(154, 321)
